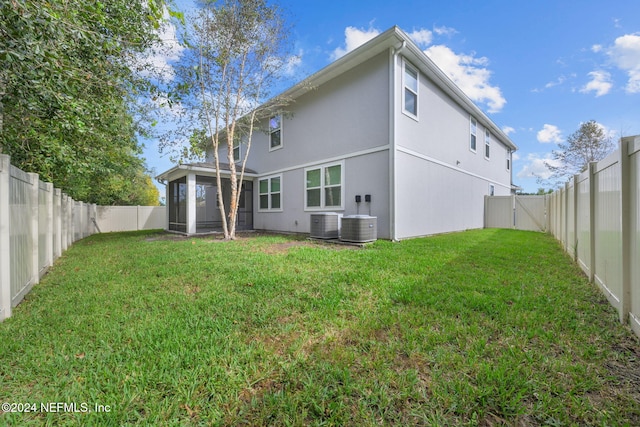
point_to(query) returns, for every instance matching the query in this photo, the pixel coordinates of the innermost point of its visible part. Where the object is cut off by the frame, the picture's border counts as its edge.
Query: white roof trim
(183, 170)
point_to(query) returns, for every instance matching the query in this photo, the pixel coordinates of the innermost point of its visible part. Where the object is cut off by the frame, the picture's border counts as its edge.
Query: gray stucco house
(382, 121)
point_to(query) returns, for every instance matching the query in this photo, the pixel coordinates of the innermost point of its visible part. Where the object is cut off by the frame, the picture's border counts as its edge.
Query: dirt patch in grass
(164, 237)
(625, 369)
(248, 236)
(279, 248)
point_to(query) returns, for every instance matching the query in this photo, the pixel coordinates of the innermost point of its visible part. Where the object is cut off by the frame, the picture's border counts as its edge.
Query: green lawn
(485, 327)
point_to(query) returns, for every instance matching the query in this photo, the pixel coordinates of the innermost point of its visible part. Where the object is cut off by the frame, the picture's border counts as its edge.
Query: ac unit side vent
(324, 225)
(359, 228)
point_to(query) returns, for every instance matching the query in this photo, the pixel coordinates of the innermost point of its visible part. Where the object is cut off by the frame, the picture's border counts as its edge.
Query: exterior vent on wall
(359, 228)
(324, 225)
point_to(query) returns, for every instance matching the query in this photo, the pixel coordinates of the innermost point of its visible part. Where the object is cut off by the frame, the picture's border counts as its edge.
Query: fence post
(35, 237)
(49, 224)
(94, 218)
(64, 209)
(547, 226)
(575, 218)
(71, 230)
(626, 221)
(592, 220)
(72, 221)
(5, 238)
(81, 220)
(57, 223)
(565, 229)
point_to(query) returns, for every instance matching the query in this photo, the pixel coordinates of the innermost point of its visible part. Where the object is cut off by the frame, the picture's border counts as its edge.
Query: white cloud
(470, 74)
(444, 31)
(422, 37)
(288, 66)
(596, 48)
(293, 63)
(515, 156)
(557, 82)
(353, 38)
(625, 54)
(549, 133)
(536, 166)
(600, 83)
(156, 62)
(508, 130)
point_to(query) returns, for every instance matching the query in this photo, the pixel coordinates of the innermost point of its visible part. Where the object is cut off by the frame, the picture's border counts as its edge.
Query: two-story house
(384, 122)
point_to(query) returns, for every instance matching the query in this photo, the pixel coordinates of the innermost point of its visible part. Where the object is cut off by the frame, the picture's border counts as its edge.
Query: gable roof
(395, 38)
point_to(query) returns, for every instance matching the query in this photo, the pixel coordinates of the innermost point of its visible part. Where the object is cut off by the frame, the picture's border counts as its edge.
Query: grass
(485, 327)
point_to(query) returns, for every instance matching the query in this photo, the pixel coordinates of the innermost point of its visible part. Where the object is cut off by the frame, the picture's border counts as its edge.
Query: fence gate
(519, 212)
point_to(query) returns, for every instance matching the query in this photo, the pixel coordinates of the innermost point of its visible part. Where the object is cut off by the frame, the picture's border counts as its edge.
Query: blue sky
(537, 68)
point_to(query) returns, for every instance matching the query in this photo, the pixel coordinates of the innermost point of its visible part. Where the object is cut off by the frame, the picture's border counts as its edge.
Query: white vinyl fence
(596, 217)
(130, 218)
(38, 223)
(519, 212)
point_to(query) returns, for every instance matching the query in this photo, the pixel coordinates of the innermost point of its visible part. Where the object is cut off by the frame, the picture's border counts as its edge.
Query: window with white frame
(236, 150)
(270, 193)
(508, 160)
(410, 101)
(492, 190)
(324, 187)
(473, 131)
(275, 132)
(487, 144)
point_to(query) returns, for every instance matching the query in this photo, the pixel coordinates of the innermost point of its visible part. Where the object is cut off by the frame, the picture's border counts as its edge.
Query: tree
(588, 144)
(237, 50)
(68, 87)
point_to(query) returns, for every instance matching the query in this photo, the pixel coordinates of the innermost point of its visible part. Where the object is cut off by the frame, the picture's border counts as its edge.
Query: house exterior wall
(363, 174)
(440, 182)
(345, 115)
(433, 198)
(344, 120)
(420, 171)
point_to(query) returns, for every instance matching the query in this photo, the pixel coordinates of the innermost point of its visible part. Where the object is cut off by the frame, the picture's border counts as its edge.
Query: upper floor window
(410, 94)
(473, 130)
(487, 144)
(323, 186)
(270, 193)
(236, 150)
(508, 160)
(275, 132)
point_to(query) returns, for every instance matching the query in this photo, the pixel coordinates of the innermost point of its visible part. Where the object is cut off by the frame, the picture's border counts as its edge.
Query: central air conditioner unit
(359, 228)
(324, 225)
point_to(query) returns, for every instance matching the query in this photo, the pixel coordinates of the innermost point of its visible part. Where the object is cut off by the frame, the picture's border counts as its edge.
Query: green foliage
(237, 49)
(67, 88)
(486, 327)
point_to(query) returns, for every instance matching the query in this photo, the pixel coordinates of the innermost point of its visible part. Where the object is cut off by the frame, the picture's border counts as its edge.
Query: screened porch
(192, 199)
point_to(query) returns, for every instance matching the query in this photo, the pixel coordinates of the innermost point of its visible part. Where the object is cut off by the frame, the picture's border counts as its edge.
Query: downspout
(393, 53)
